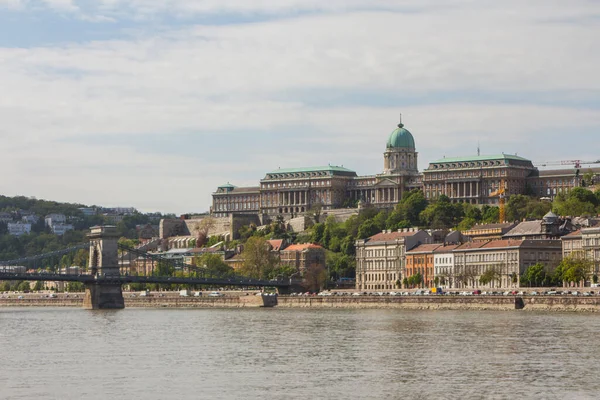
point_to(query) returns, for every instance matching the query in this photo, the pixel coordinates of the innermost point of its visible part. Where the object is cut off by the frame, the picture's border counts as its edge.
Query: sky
(153, 104)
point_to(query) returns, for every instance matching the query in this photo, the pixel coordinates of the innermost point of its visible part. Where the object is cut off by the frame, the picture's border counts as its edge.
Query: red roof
(494, 244)
(572, 234)
(302, 247)
(446, 249)
(384, 237)
(470, 245)
(424, 248)
(276, 244)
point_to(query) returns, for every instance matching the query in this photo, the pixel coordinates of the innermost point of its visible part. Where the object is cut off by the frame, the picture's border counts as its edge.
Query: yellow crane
(500, 193)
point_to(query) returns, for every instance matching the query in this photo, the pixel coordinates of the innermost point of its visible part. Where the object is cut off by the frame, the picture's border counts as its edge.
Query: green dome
(401, 138)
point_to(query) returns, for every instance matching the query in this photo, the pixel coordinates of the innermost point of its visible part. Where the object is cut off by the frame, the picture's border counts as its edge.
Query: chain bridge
(112, 265)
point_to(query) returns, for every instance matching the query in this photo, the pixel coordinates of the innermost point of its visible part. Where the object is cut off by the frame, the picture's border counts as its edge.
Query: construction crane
(500, 193)
(576, 163)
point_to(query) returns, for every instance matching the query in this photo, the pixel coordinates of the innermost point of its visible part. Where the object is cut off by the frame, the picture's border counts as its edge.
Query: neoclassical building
(292, 191)
(476, 179)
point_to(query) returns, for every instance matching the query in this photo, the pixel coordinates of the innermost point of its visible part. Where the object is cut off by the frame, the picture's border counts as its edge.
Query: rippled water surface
(289, 354)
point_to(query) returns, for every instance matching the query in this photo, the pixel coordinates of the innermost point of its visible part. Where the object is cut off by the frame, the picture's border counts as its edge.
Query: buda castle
(477, 179)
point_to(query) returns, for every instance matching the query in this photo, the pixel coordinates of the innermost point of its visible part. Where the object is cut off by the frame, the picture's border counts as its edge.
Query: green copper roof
(402, 138)
(480, 158)
(227, 186)
(329, 168)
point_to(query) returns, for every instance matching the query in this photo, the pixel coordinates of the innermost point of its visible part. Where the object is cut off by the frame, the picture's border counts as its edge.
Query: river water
(48, 353)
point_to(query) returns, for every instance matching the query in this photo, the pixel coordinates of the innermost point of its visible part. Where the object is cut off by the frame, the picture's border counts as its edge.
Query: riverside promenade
(567, 303)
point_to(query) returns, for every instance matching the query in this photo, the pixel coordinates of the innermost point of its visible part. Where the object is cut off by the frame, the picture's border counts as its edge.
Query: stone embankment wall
(501, 303)
(46, 302)
(152, 302)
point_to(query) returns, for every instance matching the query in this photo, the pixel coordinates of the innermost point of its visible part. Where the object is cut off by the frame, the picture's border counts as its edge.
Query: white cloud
(260, 77)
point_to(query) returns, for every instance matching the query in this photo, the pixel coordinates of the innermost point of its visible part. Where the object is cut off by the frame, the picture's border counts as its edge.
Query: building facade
(477, 179)
(381, 259)
(507, 258)
(293, 191)
(303, 257)
(18, 228)
(420, 260)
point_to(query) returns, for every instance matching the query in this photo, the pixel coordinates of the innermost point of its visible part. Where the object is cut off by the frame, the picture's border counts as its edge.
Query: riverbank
(470, 303)
(149, 302)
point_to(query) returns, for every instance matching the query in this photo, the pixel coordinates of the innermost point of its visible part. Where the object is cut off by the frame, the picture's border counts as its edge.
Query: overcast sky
(153, 104)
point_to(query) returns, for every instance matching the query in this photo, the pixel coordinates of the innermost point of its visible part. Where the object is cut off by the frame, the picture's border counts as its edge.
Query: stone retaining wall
(500, 303)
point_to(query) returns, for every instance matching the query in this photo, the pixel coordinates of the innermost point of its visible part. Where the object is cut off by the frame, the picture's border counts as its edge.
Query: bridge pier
(103, 293)
(103, 296)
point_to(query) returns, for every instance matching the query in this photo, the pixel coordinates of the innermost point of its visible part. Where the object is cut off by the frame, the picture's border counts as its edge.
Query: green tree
(214, 265)
(367, 229)
(573, 270)
(442, 214)
(259, 261)
(24, 286)
(490, 275)
(535, 275)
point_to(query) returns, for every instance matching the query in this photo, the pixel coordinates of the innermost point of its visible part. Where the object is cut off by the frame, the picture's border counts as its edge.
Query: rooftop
(481, 158)
(302, 247)
(424, 248)
(328, 168)
(390, 236)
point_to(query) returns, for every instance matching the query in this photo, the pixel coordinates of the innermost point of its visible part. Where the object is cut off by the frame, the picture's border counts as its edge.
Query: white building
(18, 228)
(6, 217)
(52, 219)
(443, 264)
(88, 211)
(30, 219)
(381, 258)
(61, 229)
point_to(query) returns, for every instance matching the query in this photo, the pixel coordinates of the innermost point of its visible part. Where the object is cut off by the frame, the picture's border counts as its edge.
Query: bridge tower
(103, 292)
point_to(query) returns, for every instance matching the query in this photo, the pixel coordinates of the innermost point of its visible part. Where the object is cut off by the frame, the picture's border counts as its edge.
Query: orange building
(303, 256)
(420, 260)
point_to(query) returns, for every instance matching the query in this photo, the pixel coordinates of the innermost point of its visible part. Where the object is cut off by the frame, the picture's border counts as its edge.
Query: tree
(202, 230)
(442, 214)
(490, 276)
(415, 280)
(367, 229)
(39, 285)
(315, 211)
(578, 202)
(259, 261)
(534, 275)
(214, 265)
(75, 287)
(574, 270)
(24, 286)
(314, 277)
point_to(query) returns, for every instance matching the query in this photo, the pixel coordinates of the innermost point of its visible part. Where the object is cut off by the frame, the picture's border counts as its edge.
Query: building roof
(227, 186)
(502, 244)
(470, 245)
(526, 228)
(247, 189)
(329, 168)
(424, 248)
(390, 236)
(276, 244)
(481, 158)
(446, 249)
(490, 226)
(401, 138)
(573, 235)
(302, 247)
